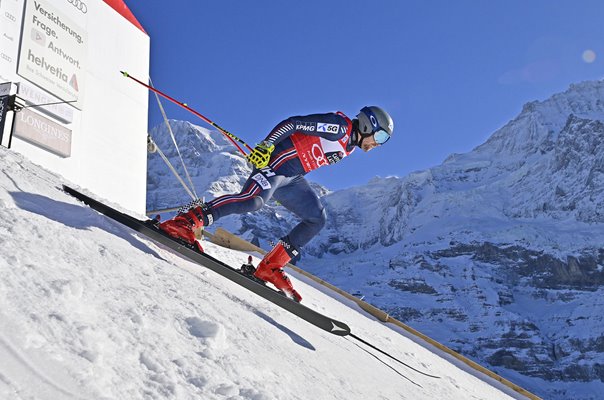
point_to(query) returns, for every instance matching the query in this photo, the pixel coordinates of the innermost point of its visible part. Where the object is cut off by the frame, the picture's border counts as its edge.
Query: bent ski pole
(228, 134)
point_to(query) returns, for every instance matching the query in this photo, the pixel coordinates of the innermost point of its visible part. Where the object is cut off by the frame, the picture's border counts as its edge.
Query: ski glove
(260, 156)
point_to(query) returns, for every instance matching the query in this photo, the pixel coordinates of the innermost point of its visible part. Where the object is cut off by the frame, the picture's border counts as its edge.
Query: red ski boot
(184, 225)
(270, 270)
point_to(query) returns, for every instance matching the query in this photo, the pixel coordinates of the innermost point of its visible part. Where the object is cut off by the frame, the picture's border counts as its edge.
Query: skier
(293, 148)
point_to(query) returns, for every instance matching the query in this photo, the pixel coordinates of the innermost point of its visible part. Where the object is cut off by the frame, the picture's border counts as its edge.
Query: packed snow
(496, 253)
(91, 310)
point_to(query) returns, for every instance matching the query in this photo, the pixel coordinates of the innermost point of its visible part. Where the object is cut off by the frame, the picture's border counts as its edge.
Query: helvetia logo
(73, 82)
(49, 68)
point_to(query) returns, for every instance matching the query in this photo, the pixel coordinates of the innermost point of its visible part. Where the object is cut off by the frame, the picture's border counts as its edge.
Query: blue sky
(449, 72)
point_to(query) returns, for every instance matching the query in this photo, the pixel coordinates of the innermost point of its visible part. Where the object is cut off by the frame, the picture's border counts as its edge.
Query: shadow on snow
(76, 216)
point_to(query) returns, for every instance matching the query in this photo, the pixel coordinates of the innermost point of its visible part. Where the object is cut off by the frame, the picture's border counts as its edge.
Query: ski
(149, 229)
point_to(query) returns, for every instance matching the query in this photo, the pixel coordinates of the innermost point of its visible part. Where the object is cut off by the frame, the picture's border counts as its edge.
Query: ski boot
(187, 226)
(270, 269)
(248, 269)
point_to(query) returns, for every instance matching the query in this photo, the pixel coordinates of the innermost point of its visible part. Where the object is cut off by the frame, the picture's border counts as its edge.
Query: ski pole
(228, 134)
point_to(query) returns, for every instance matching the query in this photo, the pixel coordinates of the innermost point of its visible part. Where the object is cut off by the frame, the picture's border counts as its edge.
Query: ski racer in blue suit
(292, 149)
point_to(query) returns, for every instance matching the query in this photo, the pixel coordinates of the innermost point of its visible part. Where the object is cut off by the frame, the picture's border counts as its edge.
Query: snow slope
(89, 310)
(497, 253)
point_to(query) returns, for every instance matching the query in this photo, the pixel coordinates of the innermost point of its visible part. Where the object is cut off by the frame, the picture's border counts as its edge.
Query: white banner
(34, 95)
(53, 51)
(11, 13)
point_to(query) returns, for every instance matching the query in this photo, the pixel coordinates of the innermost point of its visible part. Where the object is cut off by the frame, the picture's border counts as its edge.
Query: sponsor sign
(262, 181)
(267, 172)
(33, 96)
(305, 126)
(10, 26)
(53, 51)
(43, 132)
(3, 111)
(328, 128)
(79, 5)
(5, 118)
(5, 87)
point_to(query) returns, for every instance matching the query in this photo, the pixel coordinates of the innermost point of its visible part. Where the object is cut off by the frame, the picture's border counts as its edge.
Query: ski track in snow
(89, 310)
(26, 380)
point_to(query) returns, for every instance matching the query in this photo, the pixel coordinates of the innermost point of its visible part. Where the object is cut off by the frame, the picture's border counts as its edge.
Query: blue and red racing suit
(302, 144)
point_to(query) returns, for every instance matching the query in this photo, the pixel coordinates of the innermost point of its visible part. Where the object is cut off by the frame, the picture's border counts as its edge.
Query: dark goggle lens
(381, 136)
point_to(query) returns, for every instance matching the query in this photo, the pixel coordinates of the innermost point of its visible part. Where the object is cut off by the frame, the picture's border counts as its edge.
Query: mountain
(213, 163)
(91, 310)
(497, 253)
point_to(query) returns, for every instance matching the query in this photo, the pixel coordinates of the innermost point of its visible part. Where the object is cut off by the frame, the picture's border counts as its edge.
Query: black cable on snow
(390, 356)
(389, 366)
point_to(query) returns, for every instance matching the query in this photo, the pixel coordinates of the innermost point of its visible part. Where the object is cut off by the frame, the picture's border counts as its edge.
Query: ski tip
(125, 74)
(339, 328)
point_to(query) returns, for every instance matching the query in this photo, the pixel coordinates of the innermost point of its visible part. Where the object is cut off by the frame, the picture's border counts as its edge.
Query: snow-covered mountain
(497, 253)
(91, 310)
(214, 165)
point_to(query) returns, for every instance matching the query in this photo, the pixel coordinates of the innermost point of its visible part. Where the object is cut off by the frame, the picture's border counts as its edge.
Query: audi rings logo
(80, 5)
(318, 155)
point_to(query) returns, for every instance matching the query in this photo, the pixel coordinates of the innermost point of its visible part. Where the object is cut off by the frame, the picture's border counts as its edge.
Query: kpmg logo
(305, 126)
(80, 5)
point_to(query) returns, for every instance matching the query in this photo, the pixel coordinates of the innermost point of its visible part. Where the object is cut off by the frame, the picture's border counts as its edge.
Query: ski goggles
(381, 136)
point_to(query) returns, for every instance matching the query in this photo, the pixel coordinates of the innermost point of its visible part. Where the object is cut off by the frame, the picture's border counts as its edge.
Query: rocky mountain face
(214, 165)
(497, 253)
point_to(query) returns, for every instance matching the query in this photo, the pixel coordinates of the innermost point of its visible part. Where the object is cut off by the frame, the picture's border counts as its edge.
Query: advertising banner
(43, 132)
(5, 88)
(3, 112)
(5, 117)
(11, 13)
(53, 51)
(34, 95)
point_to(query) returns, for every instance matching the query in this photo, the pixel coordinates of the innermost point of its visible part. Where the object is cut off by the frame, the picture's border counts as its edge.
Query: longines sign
(53, 50)
(43, 132)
